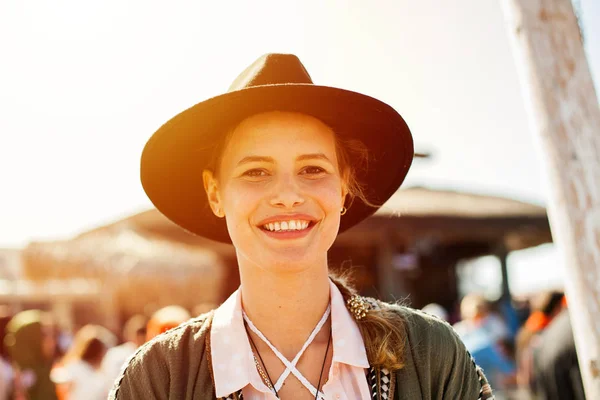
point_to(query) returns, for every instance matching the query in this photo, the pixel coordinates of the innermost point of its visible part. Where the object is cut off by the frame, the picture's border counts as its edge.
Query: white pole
(565, 116)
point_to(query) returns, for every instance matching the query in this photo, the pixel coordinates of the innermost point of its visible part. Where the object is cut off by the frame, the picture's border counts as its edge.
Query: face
(280, 189)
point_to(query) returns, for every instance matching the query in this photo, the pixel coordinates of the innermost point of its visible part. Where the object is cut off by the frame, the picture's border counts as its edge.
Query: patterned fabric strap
(234, 396)
(381, 382)
(485, 393)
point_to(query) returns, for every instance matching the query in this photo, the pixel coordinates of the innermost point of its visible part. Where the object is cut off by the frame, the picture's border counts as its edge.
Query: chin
(285, 256)
(284, 260)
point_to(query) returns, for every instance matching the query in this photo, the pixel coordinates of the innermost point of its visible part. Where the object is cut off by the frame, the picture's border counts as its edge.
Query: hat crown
(272, 69)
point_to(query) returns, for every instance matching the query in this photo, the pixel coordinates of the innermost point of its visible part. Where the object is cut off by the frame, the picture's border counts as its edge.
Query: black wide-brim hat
(175, 156)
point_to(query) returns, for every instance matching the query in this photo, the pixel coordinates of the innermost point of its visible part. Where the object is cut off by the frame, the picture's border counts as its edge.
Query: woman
(283, 167)
(79, 376)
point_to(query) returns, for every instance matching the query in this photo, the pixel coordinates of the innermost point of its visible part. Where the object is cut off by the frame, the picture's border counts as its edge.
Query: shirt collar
(348, 344)
(231, 355)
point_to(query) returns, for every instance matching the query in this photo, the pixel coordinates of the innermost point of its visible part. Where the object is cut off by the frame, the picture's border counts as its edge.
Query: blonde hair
(352, 156)
(382, 329)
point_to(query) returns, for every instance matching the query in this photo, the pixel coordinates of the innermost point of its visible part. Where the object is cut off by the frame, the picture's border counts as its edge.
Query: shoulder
(426, 328)
(172, 344)
(438, 357)
(150, 371)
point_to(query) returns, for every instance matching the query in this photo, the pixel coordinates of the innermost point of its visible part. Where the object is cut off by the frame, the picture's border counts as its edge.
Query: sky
(83, 85)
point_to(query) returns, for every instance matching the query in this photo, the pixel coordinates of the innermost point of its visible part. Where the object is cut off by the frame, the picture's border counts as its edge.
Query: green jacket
(176, 365)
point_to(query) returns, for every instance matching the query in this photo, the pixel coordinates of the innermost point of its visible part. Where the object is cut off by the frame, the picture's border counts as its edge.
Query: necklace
(262, 371)
(290, 367)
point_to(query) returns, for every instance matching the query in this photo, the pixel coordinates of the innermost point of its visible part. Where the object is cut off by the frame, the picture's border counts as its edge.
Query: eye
(255, 173)
(312, 170)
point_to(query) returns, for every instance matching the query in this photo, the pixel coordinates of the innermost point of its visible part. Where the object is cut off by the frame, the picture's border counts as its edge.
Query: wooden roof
(117, 254)
(423, 202)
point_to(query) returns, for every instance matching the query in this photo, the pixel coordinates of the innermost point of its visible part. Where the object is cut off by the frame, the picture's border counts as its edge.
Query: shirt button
(337, 396)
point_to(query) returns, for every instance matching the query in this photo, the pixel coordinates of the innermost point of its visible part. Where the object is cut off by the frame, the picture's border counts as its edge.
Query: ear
(344, 193)
(211, 188)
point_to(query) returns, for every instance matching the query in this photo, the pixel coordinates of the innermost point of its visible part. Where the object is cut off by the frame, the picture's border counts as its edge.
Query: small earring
(218, 212)
(343, 211)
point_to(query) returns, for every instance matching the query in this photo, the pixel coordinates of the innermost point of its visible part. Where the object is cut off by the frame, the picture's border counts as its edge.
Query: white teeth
(294, 225)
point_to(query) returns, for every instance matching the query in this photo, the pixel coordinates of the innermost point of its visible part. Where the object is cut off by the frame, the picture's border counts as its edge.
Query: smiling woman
(280, 185)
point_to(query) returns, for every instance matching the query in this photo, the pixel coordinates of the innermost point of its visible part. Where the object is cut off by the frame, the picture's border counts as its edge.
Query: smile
(286, 226)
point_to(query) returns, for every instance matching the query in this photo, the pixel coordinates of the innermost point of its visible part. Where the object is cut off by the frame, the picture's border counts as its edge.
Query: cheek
(241, 198)
(328, 192)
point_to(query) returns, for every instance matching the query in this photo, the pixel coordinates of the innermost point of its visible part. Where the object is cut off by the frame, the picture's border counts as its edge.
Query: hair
(551, 302)
(89, 345)
(473, 305)
(166, 318)
(5, 316)
(135, 327)
(382, 329)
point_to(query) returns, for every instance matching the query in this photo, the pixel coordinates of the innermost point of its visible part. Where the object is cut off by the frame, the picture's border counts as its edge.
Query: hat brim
(175, 156)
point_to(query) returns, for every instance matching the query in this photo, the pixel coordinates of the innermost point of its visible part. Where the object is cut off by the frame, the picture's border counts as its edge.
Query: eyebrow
(271, 160)
(314, 156)
(250, 159)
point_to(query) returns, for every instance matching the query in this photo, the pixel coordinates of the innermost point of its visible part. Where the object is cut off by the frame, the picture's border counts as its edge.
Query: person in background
(483, 333)
(166, 318)
(477, 317)
(79, 375)
(31, 344)
(556, 366)
(545, 307)
(6, 372)
(134, 335)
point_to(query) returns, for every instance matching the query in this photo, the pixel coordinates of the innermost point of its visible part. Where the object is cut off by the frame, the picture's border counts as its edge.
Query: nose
(287, 193)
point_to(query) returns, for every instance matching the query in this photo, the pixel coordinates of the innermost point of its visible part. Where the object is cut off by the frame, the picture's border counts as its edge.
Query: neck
(285, 307)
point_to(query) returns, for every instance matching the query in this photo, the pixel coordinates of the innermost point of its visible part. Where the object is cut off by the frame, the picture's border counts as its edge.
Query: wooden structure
(133, 274)
(417, 238)
(59, 296)
(565, 116)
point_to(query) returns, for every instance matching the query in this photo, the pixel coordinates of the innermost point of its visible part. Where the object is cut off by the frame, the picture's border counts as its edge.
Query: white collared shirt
(233, 361)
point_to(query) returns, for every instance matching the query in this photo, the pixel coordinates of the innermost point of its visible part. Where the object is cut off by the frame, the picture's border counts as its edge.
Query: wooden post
(564, 114)
(503, 257)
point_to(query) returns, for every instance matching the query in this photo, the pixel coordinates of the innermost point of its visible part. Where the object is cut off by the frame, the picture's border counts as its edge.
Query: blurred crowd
(525, 347)
(39, 361)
